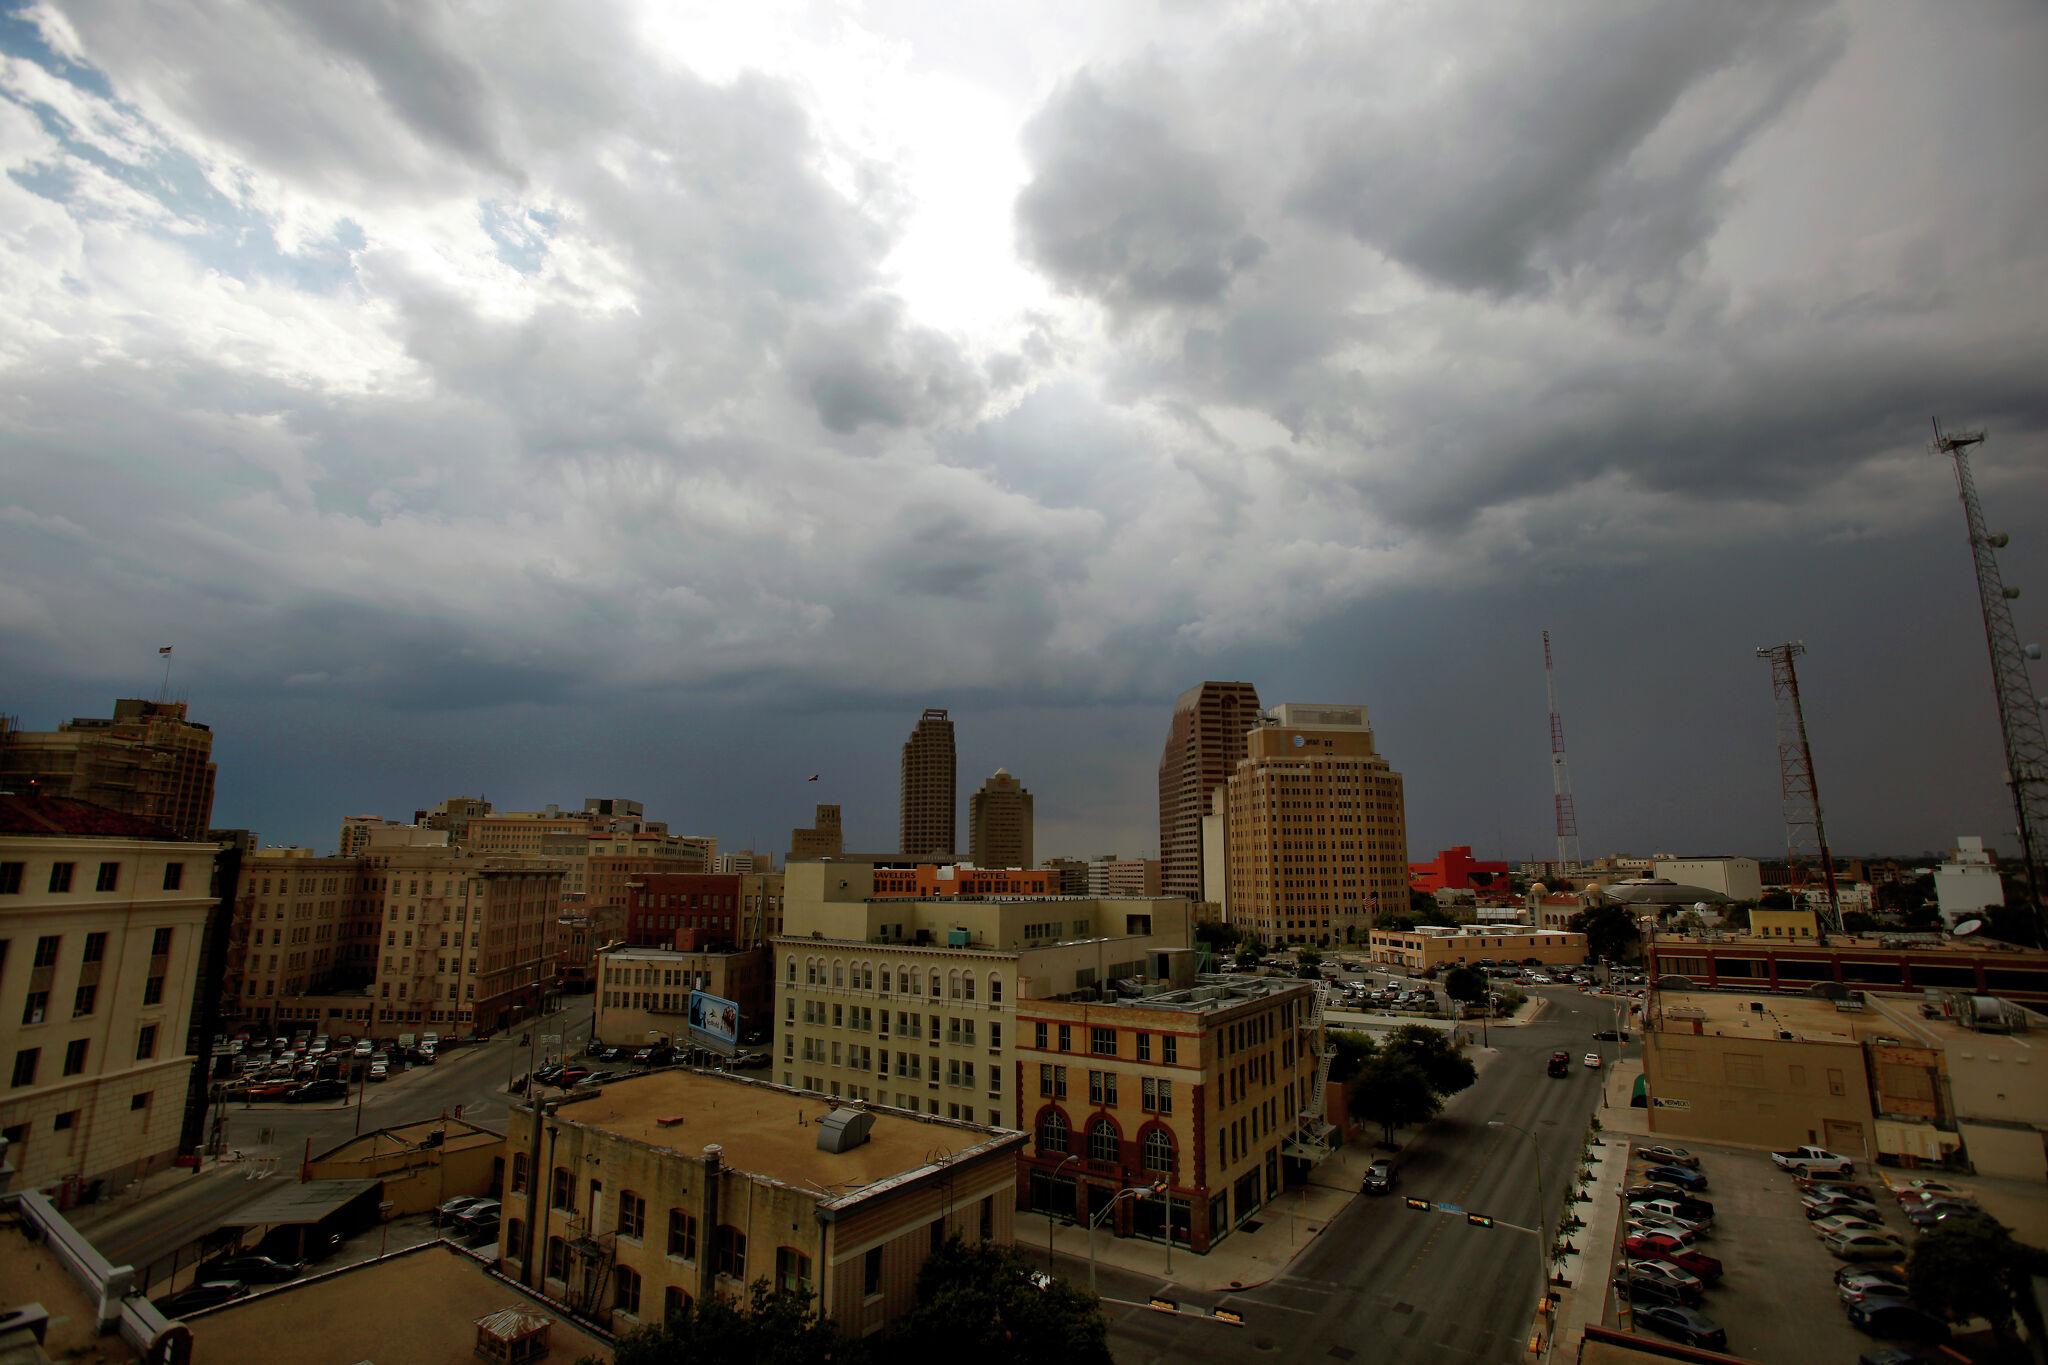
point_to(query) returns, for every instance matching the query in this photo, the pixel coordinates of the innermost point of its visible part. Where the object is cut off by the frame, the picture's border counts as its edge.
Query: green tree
(1467, 984)
(1432, 1053)
(1308, 963)
(1973, 1268)
(1856, 922)
(1351, 1053)
(979, 1300)
(1392, 1092)
(776, 1327)
(1398, 921)
(1778, 900)
(1220, 937)
(1610, 931)
(1421, 903)
(1249, 950)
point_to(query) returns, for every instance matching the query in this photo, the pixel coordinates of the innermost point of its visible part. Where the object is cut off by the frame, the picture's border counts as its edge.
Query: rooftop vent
(842, 1130)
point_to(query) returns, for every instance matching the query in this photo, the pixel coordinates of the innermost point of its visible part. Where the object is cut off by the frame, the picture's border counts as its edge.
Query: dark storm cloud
(874, 370)
(1119, 208)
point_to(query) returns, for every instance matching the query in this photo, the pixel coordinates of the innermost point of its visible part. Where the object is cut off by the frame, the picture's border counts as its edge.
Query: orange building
(925, 881)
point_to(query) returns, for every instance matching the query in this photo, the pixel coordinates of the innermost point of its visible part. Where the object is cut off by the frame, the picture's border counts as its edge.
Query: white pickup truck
(1808, 1160)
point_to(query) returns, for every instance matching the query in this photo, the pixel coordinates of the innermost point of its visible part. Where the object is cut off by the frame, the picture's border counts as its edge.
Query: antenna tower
(2019, 710)
(1560, 774)
(1805, 834)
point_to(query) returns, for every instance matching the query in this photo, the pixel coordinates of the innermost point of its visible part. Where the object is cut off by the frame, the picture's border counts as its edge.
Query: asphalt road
(147, 1233)
(1395, 1285)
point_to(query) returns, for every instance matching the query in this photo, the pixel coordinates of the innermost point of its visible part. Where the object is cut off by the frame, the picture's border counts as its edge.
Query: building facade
(1739, 879)
(147, 760)
(1204, 742)
(643, 994)
(302, 925)
(927, 881)
(1876, 963)
(1968, 883)
(101, 920)
(822, 840)
(1127, 877)
(1429, 946)
(1199, 1090)
(1455, 869)
(930, 798)
(999, 823)
(677, 1185)
(1318, 828)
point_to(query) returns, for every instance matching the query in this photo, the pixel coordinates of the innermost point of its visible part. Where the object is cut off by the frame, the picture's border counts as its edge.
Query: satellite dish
(1966, 928)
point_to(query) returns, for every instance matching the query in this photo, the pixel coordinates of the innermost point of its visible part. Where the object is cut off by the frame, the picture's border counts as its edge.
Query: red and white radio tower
(1805, 835)
(1560, 775)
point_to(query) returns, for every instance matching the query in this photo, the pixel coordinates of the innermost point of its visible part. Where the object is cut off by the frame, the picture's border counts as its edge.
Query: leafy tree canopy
(1610, 931)
(1777, 900)
(978, 1301)
(1218, 935)
(1465, 983)
(1431, 1052)
(1973, 1268)
(1393, 1092)
(775, 1327)
(1353, 1051)
(1308, 962)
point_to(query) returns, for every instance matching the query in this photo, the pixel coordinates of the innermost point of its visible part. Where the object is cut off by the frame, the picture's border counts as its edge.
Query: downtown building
(301, 925)
(930, 799)
(147, 760)
(1204, 742)
(999, 823)
(1316, 827)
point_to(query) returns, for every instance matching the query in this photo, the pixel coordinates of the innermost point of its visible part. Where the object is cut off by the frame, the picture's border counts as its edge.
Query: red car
(1655, 1248)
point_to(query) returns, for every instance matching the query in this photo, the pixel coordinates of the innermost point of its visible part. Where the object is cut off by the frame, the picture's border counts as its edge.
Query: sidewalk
(1583, 1276)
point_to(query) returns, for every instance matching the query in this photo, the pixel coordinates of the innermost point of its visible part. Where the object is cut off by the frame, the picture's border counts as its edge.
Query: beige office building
(101, 917)
(999, 823)
(822, 840)
(1318, 828)
(147, 760)
(909, 1002)
(302, 925)
(1204, 743)
(930, 801)
(1428, 947)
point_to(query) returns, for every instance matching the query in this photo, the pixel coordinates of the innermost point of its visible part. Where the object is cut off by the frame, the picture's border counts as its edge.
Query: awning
(308, 1202)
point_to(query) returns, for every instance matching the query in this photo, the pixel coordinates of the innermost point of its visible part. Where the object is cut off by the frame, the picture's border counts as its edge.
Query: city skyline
(677, 404)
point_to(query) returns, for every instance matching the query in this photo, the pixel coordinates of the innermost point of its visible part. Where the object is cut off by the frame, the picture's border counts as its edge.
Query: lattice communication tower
(1806, 835)
(1560, 773)
(2019, 710)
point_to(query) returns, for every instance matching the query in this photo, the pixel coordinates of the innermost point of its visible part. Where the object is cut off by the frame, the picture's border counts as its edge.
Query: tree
(1350, 1054)
(1431, 1052)
(1398, 921)
(1249, 950)
(1972, 1268)
(1393, 1092)
(1610, 931)
(1421, 903)
(1467, 984)
(1856, 922)
(979, 1301)
(1308, 963)
(776, 1327)
(1220, 937)
(1778, 900)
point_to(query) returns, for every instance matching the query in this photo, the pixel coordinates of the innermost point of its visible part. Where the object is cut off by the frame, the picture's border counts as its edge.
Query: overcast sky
(664, 401)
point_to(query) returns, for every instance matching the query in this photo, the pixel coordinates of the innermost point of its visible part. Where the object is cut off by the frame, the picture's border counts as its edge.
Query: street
(1395, 1284)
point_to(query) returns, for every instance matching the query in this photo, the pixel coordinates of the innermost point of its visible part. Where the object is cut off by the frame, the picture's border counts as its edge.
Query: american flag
(164, 652)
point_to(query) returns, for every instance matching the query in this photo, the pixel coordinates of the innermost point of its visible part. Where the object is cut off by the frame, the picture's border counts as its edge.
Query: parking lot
(1777, 1296)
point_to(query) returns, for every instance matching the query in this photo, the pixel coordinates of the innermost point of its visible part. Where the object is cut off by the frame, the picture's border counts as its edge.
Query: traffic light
(1479, 1220)
(1422, 1204)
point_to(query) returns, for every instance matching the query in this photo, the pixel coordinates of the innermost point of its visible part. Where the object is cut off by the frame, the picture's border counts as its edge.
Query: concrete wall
(2014, 1153)
(1759, 1091)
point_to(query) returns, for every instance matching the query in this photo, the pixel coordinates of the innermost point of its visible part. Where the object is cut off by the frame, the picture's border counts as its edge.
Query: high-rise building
(999, 823)
(1069, 875)
(1203, 744)
(822, 840)
(929, 794)
(1318, 828)
(302, 925)
(148, 761)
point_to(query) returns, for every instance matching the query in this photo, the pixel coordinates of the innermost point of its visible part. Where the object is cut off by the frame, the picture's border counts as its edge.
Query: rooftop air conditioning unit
(842, 1130)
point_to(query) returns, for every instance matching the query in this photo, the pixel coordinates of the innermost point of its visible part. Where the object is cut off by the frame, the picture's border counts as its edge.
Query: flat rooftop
(1211, 992)
(1809, 1017)
(772, 1132)
(1847, 943)
(32, 1273)
(413, 1137)
(415, 1307)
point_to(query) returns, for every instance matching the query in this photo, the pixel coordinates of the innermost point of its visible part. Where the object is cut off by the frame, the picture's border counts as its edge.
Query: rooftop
(60, 815)
(412, 1137)
(32, 1273)
(1841, 943)
(1210, 993)
(771, 1132)
(1809, 1018)
(414, 1307)
(1472, 931)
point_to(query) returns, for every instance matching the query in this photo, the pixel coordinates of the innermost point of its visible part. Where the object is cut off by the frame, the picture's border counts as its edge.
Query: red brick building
(683, 909)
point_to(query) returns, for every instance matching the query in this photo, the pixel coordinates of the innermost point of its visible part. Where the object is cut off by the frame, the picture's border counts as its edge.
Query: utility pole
(1805, 834)
(2019, 709)
(1560, 774)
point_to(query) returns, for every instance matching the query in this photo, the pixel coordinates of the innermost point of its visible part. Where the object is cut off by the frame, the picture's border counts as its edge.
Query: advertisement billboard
(714, 1021)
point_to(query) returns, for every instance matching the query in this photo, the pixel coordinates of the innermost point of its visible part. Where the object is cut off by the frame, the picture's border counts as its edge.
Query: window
(995, 990)
(674, 1302)
(153, 988)
(558, 1259)
(1159, 1152)
(10, 879)
(25, 1066)
(74, 1056)
(95, 947)
(995, 1037)
(562, 1193)
(109, 878)
(36, 1007)
(140, 1101)
(160, 943)
(145, 1042)
(730, 1252)
(515, 1238)
(82, 1001)
(519, 1169)
(1102, 1143)
(871, 1272)
(1144, 1047)
(625, 1289)
(1102, 1087)
(1066, 1038)
(46, 950)
(1102, 1042)
(1038, 1036)
(632, 1215)
(682, 1233)
(1169, 1049)
(1052, 1132)
(792, 1270)
(174, 876)
(1158, 1096)
(67, 1120)
(60, 876)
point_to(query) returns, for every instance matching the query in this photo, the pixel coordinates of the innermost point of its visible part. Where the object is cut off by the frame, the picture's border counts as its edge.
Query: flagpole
(165, 695)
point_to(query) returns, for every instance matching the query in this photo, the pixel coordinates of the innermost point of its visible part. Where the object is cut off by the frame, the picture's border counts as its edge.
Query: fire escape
(1313, 1132)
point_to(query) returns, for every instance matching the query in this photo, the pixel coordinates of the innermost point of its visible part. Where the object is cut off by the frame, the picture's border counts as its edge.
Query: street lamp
(1136, 1192)
(1050, 1221)
(1542, 1247)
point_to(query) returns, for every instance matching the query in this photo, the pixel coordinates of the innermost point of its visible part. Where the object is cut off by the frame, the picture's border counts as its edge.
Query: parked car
(1897, 1318)
(363, 1047)
(662, 1055)
(1835, 1183)
(1858, 1245)
(480, 1218)
(315, 1091)
(1688, 1206)
(1683, 1324)
(252, 1269)
(1810, 1159)
(379, 1070)
(1818, 1207)
(1685, 1177)
(1669, 1156)
(1694, 1212)
(752, 1061)
(1890, 1274)
(1705, 1268)
(570, 1075)
(1842, 1222)
(1682, 1280)
(205, 1294)
(1932, 1215)
(1684, 1237)
(1646, 1288)
(1653, 1220)
(451, 1210)
(1860, 1286)
(1381, 1177)
(1914, 1189)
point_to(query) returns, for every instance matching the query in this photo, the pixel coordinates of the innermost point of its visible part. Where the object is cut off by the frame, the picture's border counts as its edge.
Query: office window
(74, 1056)
(519, 1169)
(160, 943)
(60, 876)
(10, 879)
(562, 1192)
(558, 1259)
(82, 1001)
(1102, 1143)
(67, 1120)
(792, 1270)
(109, 878)
(632, 1215)
(153, 988)
(1169, 1049)
(1102, 1042)
(1159, 1152)
(46, 950)
(1066, 1038)
(995, 990)
(1144, 1047)
(995, 1037)
(140, 1101)
(95, 947)
(174, 876)
(682, 1234)
(626, 1289)
(674, 1302)
(36, 1008)
(25, 1066)
(730, 1252)
(1038, 1036)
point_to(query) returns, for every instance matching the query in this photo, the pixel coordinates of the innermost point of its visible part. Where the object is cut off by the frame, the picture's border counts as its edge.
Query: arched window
(1159, 1152)
(967, 984)
(810, 971)
(995, 989)
(867, 976)
(1052, 1132)
(913, 982)
(935, 983)
(1102, 1143)
(792, 967)
(953, 985)
(838, 972)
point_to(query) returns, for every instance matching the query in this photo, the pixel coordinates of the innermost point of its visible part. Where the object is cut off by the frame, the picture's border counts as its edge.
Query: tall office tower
(999, 823)
(1203, 745)
(929, 799)
(1318, 828)
(821, 840)
(148, 761)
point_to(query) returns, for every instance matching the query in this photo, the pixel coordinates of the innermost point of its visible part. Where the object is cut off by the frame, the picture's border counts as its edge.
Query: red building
(688, 910)
(1455, 869)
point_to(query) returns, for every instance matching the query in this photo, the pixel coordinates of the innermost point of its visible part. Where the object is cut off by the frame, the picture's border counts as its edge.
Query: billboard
(714, 1021)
